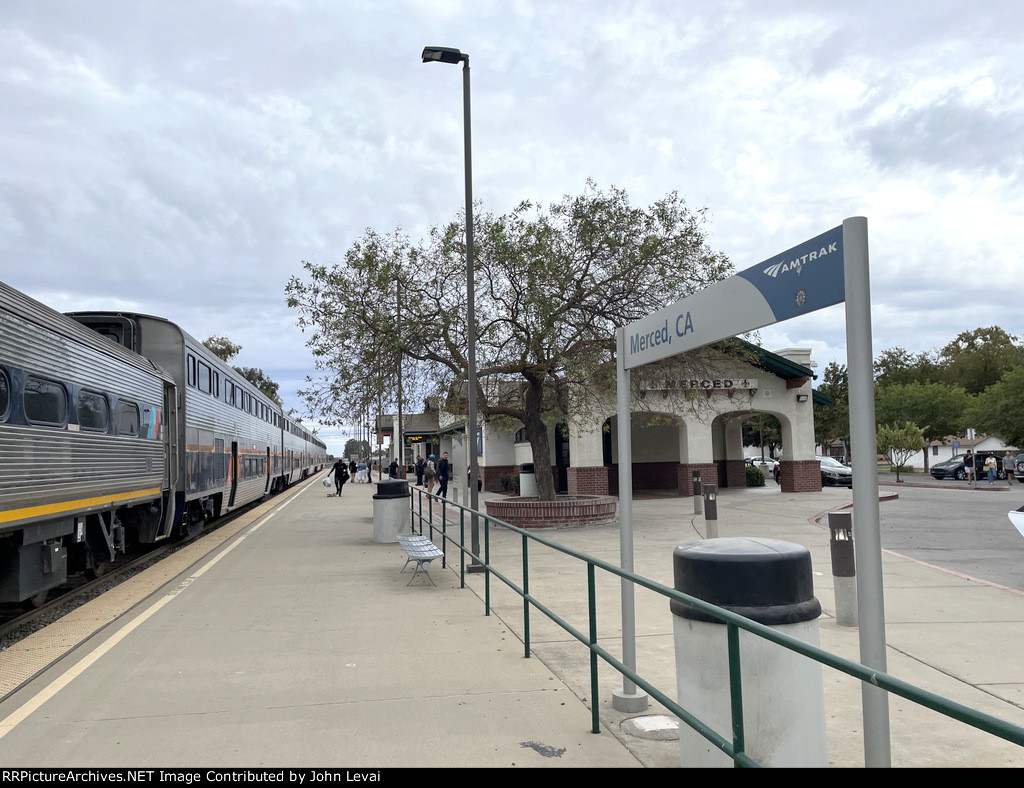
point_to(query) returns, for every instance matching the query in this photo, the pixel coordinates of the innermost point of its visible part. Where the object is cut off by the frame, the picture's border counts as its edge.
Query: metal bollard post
(844, 572)
(698, 502)
(711, 511)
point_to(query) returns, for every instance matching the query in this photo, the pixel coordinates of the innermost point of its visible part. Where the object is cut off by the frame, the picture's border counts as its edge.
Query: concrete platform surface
(293, 640)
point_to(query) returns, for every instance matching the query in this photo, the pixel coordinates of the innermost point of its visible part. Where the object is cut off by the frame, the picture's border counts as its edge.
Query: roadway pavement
(292, 640)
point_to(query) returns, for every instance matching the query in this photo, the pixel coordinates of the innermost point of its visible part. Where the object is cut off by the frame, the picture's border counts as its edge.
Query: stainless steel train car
(233, 444)
(82, 448)
(117, 428)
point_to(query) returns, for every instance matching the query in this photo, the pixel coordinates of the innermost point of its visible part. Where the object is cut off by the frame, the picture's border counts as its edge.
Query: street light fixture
(454, 56)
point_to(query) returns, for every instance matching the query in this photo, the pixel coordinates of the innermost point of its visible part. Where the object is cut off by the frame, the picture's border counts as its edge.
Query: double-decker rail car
(121, 428)
(83, 449)
(234, 445)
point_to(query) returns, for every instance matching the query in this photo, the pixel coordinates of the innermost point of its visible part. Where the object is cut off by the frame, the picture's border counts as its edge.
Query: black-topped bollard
(710, 511)
(698, 500)
(844, 567)
(769, 582)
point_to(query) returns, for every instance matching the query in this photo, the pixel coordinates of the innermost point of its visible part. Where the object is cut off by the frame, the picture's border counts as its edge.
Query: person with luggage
(340, 471)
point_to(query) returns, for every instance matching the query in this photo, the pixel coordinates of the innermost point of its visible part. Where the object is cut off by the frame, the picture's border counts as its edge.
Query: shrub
(755, 476)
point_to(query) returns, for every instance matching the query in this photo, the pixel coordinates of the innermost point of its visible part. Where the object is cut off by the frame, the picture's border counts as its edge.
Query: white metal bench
(420, 550)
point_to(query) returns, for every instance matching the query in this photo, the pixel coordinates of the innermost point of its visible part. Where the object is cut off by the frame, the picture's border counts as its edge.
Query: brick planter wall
(564, 511)
(800, 475)
(589, 480)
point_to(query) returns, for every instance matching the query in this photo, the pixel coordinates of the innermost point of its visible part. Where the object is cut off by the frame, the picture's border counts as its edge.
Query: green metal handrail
(734, 748)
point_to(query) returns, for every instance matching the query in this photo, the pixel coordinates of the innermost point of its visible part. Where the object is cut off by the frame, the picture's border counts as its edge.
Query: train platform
(291, 639)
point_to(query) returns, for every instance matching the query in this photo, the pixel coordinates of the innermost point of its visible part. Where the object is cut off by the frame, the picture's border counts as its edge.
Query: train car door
(266, 486)
(233, 472)
(170, 431)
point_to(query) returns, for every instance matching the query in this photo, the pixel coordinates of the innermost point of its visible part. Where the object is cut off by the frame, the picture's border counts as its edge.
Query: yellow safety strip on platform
(81, 503)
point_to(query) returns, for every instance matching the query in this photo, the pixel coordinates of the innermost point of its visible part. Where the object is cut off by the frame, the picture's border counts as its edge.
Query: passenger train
(118, 428)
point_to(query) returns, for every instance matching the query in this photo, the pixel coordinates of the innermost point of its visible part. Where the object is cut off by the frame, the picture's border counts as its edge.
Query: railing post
(736, 689)
(526, 592)
(487, 562)
(595, 717)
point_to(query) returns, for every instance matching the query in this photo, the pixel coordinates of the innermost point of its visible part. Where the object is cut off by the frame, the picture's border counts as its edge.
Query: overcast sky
(183, 158)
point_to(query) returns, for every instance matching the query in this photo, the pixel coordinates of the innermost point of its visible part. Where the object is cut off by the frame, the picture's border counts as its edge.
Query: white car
(766, 464)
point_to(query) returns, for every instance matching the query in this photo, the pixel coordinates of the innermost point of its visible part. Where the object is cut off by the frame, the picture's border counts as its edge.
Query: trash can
(769, 582)
(390, 509)
(527, 481)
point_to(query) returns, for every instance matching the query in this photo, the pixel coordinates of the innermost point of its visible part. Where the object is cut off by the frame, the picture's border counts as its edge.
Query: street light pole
(454, 56)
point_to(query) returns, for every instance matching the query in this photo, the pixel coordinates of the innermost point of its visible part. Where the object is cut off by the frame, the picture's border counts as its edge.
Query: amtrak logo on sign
(815, 267)
(798, 263)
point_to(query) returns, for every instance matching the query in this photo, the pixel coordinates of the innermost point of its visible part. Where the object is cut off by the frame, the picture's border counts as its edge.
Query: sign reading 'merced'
(800, 280)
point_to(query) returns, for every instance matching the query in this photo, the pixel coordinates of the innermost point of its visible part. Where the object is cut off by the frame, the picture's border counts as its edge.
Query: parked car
(834, 472)
(954, 467)
(766, 464)
(1018, 463)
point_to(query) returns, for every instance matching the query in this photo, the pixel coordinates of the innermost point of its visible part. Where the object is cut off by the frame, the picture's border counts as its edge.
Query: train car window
(150, 422)
(5, 395)
(191, 370)
(204, 379)
(93, 411)
(45, 402)
(126, 416)
(216, 384)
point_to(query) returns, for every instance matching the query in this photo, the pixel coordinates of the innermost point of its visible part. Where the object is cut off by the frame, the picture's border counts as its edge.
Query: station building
(683, 426)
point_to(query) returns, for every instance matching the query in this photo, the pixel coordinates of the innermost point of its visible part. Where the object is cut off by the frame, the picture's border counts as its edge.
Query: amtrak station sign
(800, 280)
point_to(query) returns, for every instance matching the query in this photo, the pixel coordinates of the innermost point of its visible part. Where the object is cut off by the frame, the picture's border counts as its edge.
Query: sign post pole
(867, 538)
(629, 698)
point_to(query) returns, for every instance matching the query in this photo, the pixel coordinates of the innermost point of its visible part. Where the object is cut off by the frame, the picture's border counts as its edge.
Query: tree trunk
(537, 434)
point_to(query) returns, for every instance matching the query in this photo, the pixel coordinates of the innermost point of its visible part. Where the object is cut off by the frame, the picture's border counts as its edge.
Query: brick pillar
(588, 480)
(735, 473)
(708, 475)
(800, 476)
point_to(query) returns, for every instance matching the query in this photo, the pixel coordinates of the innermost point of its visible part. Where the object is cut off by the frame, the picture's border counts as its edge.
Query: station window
(45, 402)
(93, 411)
(126, 416)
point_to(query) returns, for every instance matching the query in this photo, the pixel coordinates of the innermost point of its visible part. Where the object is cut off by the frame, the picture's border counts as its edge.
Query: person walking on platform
(393, 469)
(444, 472)
(340, 471)
(969, 467)
(1008, 468)
(429, 472)
(419, 470)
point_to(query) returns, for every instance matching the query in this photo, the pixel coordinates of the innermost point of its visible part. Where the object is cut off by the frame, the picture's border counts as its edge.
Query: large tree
(977, 359)
(999, 410)
(937, 405)
(832, 422)
(552, 284)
